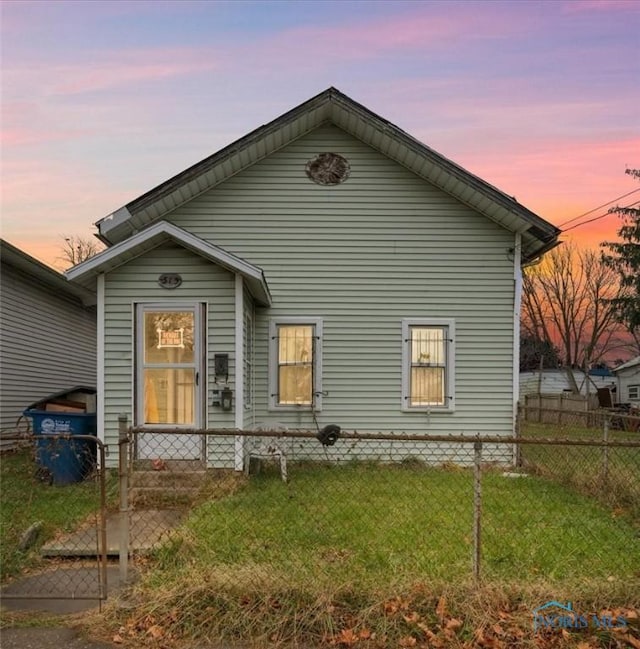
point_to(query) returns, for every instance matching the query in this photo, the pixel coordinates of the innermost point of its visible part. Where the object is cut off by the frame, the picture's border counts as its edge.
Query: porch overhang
(85, 274)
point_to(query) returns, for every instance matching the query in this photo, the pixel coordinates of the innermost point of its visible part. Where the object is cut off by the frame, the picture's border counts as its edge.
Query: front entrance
(169, 379)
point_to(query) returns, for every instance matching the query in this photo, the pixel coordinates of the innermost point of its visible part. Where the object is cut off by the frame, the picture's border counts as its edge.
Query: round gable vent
(328, 169)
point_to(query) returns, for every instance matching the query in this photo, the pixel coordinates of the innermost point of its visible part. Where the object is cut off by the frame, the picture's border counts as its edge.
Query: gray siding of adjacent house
(363, 255)
(48, 343)
(137, 282)
(626, 378)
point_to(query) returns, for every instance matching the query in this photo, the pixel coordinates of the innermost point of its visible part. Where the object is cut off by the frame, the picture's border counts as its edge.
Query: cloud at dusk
(101, 101)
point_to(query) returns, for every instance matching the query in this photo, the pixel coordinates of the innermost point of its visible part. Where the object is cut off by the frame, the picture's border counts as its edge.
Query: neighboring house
(557, 381)
(327, 266)
(47, 333)
(628, 375)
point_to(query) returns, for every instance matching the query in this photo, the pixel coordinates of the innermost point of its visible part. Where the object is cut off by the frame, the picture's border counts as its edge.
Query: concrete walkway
(146, 529)
(73, 574)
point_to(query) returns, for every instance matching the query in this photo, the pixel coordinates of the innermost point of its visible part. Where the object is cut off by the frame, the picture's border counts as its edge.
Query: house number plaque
(170, 280)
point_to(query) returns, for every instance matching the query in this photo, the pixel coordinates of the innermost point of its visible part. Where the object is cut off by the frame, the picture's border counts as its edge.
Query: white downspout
(239, 373)
(100, 292)
(517, 303)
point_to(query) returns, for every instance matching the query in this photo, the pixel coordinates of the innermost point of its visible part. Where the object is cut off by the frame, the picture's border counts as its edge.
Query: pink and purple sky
(101, 101)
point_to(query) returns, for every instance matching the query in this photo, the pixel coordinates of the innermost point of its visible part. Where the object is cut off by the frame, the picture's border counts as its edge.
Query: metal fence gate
(53, 533)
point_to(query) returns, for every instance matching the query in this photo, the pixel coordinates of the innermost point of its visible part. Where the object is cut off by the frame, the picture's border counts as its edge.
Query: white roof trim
(625, 366)
(115, 256)
(538, 235)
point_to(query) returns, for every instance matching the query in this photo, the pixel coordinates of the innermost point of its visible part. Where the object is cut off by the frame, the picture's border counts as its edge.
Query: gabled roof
(157, 234)
(43, 274)
(332, 106)
(625, 366)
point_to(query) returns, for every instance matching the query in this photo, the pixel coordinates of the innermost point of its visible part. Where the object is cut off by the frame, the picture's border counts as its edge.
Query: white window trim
(273, 362)
(450, 366)
(635, 388)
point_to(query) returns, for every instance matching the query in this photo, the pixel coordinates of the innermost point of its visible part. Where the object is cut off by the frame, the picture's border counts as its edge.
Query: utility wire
(597, 218)
(575, 218)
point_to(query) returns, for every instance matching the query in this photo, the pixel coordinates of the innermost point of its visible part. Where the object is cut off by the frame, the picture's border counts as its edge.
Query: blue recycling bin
(63, 461)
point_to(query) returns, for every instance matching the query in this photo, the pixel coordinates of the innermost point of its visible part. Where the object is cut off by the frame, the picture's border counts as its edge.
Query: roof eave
(44, 274)
(360, 122)
(153, 236)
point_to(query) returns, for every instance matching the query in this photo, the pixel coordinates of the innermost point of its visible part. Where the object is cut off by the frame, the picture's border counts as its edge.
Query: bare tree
(567, 303)
(77, 249)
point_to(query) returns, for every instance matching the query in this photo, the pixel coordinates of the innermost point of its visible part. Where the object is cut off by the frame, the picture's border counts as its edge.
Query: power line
(575, 218)
(597, 218)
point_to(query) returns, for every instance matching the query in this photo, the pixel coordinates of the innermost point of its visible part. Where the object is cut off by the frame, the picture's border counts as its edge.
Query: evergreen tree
(624, 257)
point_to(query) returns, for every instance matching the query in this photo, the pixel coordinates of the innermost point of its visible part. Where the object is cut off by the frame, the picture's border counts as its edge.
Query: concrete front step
(162, 496)
(168, 479)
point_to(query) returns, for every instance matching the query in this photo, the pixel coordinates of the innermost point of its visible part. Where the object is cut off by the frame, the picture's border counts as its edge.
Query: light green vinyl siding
(137, 281)
(363, 255)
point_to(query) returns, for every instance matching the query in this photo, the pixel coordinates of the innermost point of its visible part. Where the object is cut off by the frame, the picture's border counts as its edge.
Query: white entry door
(170, 380)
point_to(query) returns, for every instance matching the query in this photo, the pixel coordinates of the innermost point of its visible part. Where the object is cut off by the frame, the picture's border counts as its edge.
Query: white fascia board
(113, 220)
(163, 230)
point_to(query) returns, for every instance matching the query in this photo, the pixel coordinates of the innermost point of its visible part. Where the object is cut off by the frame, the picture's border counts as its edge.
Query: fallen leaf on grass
(155, 631)
(346, 637)
(117, 638)
(412, 618)
(453, 624)
(441, 607)
(407, 641)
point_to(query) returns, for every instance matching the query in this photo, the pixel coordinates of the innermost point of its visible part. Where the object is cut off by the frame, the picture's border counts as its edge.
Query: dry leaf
(412, 618)
(347, 637)
(117, 638)
(453, 624)
(155, 631)
(364, 634)
(407, 641)
(441, 608)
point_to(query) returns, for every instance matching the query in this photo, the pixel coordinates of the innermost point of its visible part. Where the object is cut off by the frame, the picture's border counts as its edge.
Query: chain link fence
(53, 541)
(314, 509)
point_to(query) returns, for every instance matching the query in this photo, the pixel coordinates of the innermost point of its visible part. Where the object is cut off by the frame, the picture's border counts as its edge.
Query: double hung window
(295, 363)
(427, 364)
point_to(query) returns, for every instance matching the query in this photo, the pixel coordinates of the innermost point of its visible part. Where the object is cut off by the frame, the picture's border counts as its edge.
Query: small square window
(295, 363)
(427, 364)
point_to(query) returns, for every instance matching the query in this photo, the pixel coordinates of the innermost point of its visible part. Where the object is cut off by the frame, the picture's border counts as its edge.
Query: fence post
(605, 449)
(123, 475)
(477, 507)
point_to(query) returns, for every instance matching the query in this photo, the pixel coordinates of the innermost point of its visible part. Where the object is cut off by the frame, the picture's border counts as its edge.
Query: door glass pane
(169, 337)
(169, 396)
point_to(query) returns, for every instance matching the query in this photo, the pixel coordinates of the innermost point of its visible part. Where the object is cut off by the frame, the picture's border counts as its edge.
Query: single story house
(325, 268)
(47, 333)
(628, 376)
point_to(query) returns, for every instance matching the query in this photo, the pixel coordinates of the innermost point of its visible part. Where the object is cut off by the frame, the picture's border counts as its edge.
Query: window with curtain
(295, 363)
(427, 373)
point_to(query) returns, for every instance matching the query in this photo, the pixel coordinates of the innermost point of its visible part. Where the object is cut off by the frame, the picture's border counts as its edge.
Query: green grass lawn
(339, 540)
(25, 500)
(612, 476)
